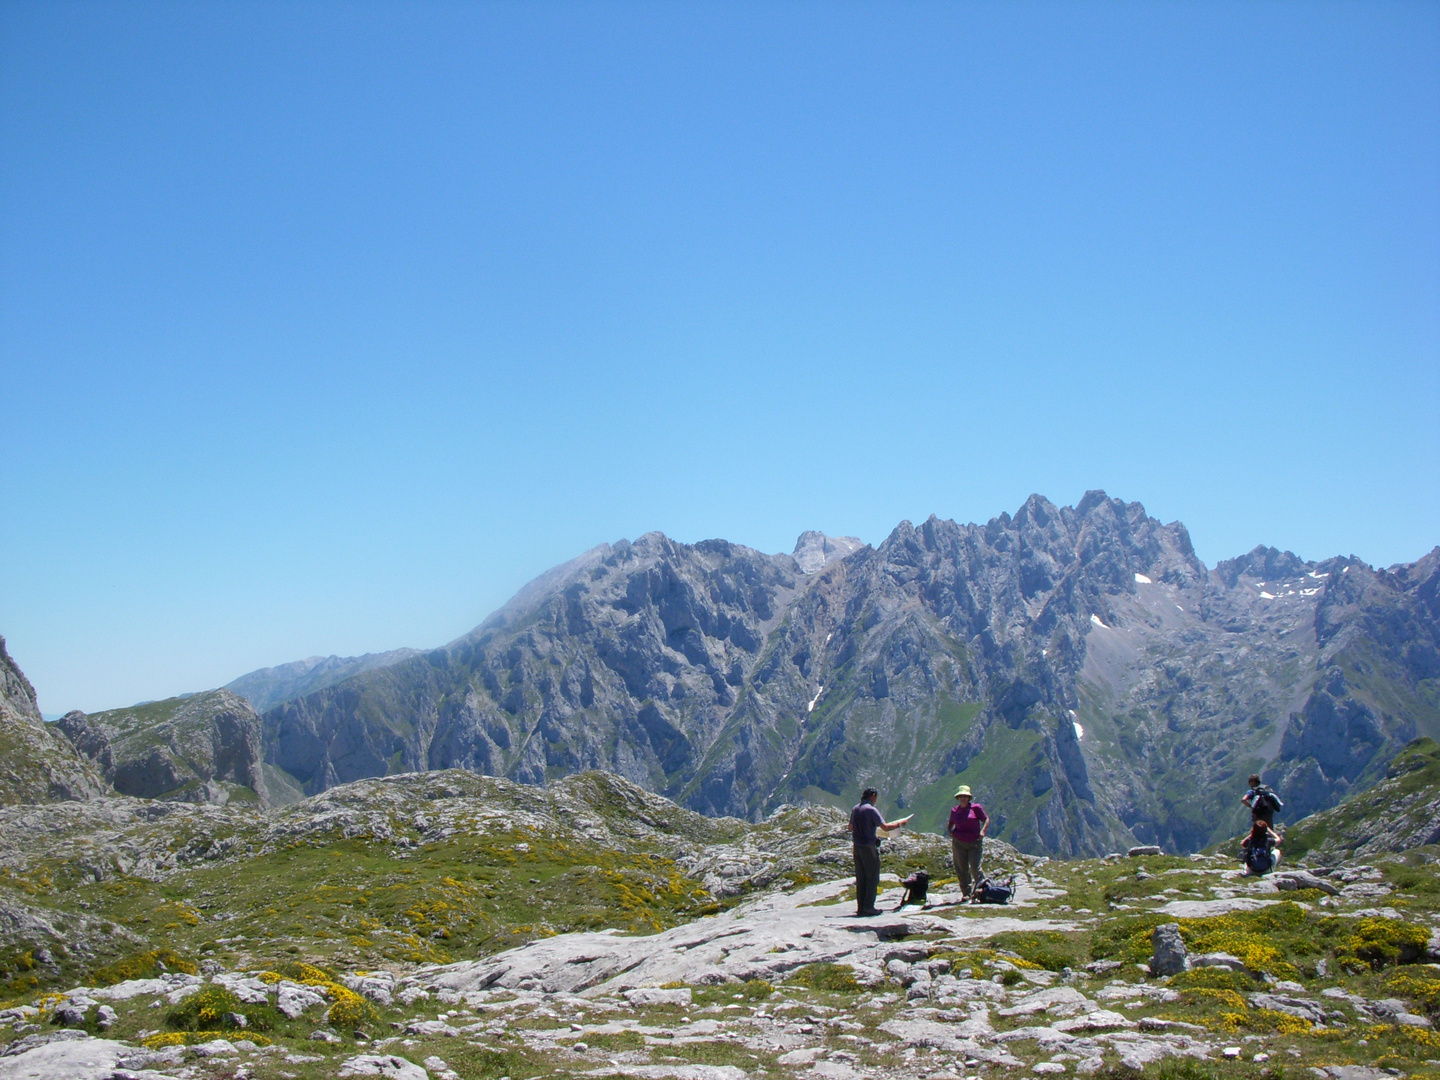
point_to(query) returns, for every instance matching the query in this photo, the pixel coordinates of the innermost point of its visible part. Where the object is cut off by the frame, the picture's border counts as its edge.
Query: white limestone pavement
(766, 938)
(78, 1058)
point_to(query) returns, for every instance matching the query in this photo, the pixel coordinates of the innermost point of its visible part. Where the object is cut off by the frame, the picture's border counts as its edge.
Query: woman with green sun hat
(966, 828)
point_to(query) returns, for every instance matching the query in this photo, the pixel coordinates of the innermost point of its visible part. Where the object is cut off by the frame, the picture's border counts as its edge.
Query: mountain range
(1079, 667)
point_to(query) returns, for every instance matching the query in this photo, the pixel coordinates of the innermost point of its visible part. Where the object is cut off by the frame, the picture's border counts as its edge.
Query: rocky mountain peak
(814, 549)
(17, 696)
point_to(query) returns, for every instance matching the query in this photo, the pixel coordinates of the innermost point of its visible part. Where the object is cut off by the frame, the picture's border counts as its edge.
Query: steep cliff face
(949, 654)
(1079, 667)
(207, 748)
(630, 660)
(36, 764)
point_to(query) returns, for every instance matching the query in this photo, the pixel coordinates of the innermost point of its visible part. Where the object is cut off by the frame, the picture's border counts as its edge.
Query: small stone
(235, 1020)
(1261, 1057)
(1144, 849)
(1044, 1067)
(580, 1047)
(321, 1035)
(1231, 1052)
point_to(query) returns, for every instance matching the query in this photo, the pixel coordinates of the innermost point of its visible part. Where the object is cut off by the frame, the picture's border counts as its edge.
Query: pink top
(965, 822)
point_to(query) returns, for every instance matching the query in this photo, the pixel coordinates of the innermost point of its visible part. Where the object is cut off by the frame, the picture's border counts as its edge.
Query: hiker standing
(967, 825)
(865, 821)
(1262, 802)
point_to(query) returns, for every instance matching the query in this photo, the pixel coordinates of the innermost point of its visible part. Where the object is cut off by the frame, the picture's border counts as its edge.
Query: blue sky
(323, 327)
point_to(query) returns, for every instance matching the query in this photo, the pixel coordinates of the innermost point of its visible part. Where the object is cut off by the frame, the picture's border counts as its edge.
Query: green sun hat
(963, 789)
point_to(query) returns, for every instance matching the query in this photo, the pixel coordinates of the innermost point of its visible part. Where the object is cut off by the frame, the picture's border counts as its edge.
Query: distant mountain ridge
(265, 688)
(1079, 666)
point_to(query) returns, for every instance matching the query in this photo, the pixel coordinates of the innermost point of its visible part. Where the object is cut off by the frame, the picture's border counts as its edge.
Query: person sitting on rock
(1260, 849)
(865, 822)
(1262, 802)
(966, 828)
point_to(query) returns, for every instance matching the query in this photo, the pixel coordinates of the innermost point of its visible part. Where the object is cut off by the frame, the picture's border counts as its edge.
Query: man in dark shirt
(865, 822)
(1262, 802)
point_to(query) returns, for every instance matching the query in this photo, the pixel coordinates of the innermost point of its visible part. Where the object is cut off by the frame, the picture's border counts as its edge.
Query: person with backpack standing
(967, 825)
(865, 823)
(1263, 802)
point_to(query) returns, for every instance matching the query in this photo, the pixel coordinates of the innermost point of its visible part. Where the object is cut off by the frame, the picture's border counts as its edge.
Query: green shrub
(142, 965)
(1044, 948)
(1213, 978)
(1380, 943)
(837, 978)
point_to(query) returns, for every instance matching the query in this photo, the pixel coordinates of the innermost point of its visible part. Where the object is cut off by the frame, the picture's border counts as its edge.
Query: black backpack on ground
(917, 888)
(988, 892)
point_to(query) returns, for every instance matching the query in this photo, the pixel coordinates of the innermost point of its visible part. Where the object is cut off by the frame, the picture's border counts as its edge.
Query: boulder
(1144, 849)
(654, 995)
(1291, 880)
(1169, 957)
(386, 1065)
(1290, 1006)
(1218, 959)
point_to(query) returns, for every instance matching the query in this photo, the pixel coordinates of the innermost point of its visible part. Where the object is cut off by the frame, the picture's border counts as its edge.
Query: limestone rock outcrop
(203, 748)
(37, 764)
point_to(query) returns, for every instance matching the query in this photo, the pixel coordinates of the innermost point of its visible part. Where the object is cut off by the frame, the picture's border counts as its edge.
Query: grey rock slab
(648, 995)
(768, 938)
(1099, 1020)
(131, 988)
(1203, 909)
(672, 1072)
(1351, 1072)
(1059, 1000)
(387, 1065)
(1290, 1006)
(1137, 1051)
(1144, 849)
(431, 1027)
(1290, 880)
(251, 991)
(292, 1001)
(923, 1031)
(65, 1059)
(1218, 959)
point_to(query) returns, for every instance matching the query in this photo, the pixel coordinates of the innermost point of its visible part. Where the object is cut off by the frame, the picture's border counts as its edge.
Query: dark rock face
(36, 764)
(205, 748)
(1077, 666)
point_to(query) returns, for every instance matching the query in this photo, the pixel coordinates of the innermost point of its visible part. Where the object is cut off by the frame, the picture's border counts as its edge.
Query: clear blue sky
(323, 327)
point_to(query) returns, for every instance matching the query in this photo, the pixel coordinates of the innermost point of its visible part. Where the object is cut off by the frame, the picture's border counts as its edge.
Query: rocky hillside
(448, 926)
(267, 687)
(1078, 666)
(202, 748)
(1401, 812)
(36, 763)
